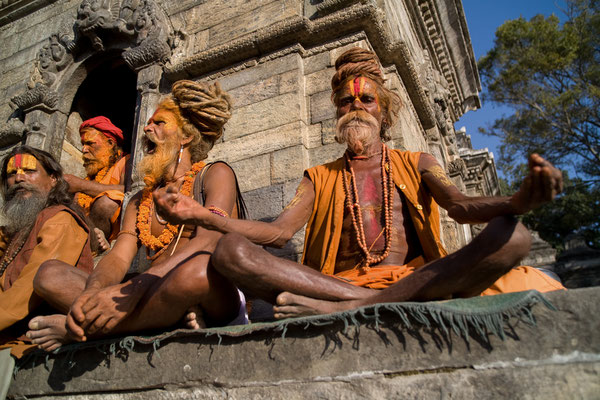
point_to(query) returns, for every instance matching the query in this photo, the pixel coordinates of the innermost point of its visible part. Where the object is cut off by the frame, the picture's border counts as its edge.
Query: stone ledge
(563, 351)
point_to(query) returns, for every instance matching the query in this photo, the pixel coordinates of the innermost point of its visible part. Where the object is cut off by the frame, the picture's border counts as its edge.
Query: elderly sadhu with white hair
(178, 286)
(372, 220)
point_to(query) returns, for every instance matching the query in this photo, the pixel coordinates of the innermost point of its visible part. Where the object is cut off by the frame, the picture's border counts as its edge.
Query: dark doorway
(110, 90)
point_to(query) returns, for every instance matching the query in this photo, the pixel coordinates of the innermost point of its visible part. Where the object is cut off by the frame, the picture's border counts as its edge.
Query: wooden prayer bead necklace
(353, 206)
(15, 246)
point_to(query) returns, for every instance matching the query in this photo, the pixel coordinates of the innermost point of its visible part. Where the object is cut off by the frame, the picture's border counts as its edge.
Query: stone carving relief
(11, 132)
(137, 26)
(438, 92)
(138, 23)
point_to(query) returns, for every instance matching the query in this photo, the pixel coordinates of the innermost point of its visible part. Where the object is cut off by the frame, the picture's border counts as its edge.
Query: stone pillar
(148, 98)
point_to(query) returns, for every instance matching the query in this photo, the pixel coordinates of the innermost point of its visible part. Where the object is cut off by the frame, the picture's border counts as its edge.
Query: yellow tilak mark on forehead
(21, 162)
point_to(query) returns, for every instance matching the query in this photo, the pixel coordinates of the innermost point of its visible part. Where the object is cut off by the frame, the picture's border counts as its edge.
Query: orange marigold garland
(85, 200)
(147, 205)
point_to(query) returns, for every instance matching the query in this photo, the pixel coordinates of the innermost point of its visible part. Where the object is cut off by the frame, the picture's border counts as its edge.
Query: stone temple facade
(64, 61)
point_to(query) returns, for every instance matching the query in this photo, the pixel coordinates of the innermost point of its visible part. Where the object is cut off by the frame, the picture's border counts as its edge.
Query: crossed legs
(169, 297)
(299, 290)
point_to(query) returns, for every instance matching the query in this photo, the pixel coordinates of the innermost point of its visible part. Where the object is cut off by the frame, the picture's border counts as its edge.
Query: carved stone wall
(274, 57)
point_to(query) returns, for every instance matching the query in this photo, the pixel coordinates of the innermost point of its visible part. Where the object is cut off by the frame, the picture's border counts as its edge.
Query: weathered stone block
(200, 41)
(321, 107)
(264, 115)
(317, 62)
(288, 164)
(255, 92)
(319, 81)
(253, 20)
(264, 204)
(558, 358)
(258, 143)
(290, 81)
(328, 131)
(261, 71)
(312, 137)
(325, 154)
(253, 173)
(210, 13)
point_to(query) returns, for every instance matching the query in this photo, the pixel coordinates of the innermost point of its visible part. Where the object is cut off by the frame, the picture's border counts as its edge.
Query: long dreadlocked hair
(202, 110)
(360, 62)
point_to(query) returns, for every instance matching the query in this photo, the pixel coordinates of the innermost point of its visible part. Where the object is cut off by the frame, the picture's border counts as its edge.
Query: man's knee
(231, 251)
(509, 236)
(520, 242)
(103, 207)
(46, 280)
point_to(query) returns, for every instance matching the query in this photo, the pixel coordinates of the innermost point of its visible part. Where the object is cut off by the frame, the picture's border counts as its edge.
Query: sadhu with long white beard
(179, 283)
(373, 231)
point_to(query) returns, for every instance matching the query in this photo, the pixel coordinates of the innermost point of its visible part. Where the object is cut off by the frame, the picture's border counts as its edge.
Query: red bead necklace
(353, 206)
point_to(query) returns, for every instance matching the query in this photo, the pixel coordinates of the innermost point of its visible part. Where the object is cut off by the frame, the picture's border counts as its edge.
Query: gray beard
(20, 213)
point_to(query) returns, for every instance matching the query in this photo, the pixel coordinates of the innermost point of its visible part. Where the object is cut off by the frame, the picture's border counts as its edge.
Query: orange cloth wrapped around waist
(517, 279)
(381, 276)
(523, 278)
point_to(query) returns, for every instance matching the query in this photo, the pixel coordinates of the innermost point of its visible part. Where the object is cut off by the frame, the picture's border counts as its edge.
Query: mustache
(12, 190)
(358, 116)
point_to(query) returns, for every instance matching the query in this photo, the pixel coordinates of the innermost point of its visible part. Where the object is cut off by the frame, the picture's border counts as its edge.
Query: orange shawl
(324, 228)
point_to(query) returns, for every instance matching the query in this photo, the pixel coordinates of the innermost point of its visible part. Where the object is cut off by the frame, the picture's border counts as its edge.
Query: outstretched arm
(541, 185)
(91, 188)
(179, 209)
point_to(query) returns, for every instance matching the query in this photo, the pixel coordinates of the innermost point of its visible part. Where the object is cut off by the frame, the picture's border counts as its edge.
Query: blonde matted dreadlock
(202, 110)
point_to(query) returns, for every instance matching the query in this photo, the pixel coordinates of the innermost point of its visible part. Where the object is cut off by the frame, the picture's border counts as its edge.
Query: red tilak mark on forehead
(357, 92)
(18, 160)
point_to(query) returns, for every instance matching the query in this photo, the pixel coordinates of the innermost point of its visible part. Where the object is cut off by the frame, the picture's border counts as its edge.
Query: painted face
(162, 142)
(25, 169)
(360, 93)
(97, 151)
(162, 127)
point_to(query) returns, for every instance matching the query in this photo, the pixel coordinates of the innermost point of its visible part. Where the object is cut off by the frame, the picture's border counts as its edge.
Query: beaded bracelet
(218, 211)
(124, 232)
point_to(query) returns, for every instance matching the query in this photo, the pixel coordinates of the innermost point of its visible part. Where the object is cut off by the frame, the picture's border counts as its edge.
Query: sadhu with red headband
(101, 192)
(180, 286)
(372, 220)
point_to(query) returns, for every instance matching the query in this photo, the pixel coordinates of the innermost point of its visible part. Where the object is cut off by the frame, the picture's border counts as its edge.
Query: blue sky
(483, 18)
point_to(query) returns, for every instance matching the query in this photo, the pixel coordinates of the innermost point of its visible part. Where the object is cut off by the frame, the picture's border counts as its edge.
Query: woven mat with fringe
(477, 316)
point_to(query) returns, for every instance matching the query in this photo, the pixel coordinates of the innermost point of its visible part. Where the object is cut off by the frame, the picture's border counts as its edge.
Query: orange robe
(113, 177)
(324, 230)
(57, 234)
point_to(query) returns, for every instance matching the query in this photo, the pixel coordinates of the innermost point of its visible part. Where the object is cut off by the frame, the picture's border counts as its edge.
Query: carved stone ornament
(456, 167)
(12, 132)
(139, 27)
(139, 23)
(40, 97)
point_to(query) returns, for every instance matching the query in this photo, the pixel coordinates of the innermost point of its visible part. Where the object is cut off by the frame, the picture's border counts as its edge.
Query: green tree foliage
(549, 74)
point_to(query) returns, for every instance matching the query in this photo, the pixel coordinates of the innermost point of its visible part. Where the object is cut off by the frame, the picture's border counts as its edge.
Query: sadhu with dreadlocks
(179, 283)
(373, 229)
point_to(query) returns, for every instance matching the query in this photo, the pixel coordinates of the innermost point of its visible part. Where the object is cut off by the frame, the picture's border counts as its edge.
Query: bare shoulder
(219, 170)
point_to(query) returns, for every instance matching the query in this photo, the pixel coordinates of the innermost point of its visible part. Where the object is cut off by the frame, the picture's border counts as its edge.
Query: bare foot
(103, 244)
(290, 305)
(48, 332)
(193, 318)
